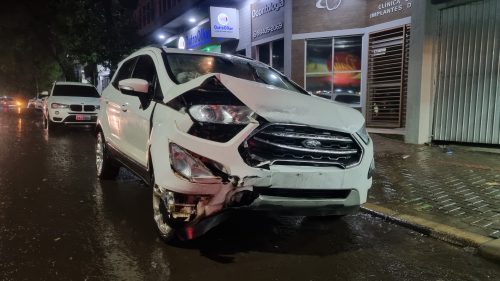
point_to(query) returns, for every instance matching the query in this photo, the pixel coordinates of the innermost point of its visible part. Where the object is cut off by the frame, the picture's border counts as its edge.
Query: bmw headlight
(56, 105)
(363, 134)
(221, 114)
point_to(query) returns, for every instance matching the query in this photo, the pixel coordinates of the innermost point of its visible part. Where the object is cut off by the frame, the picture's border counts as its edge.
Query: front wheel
(161, 214)
(105, 166)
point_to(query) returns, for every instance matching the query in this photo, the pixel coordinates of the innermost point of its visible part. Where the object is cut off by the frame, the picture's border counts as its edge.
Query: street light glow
(192, 20)
(161, 36)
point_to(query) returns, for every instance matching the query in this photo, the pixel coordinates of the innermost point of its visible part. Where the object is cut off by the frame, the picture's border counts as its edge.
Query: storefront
(358, 52)
(268, 22)
(355, 52)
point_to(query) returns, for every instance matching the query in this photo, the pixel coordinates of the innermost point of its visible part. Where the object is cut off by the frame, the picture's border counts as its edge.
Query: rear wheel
(106, 168)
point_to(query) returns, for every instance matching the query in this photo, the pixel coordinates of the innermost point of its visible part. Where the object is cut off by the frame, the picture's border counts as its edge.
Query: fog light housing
(56, 112)
(190, 167)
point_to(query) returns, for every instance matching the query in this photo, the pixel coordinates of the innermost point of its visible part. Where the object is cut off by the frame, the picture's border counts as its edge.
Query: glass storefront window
(272, 54)
(264, 53)
(319, 67)
(278, 51)
(333, 68)
(347, 65)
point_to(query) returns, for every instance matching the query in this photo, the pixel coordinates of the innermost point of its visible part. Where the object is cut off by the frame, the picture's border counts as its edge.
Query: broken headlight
(221, 114)
(190, 167)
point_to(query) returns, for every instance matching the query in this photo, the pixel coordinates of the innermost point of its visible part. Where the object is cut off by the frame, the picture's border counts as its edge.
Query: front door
(137, 114)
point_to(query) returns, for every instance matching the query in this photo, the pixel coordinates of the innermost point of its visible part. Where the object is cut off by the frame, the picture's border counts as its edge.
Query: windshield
(186, 67)
(75, 91)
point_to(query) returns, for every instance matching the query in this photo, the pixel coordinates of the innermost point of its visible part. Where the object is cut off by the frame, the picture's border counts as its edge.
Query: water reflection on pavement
(57, 222)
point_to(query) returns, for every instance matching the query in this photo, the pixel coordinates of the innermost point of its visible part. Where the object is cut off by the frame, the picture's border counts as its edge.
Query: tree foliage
(44, 39)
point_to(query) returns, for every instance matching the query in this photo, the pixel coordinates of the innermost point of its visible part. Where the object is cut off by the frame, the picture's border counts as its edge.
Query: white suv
(215, 132)
(71, 103)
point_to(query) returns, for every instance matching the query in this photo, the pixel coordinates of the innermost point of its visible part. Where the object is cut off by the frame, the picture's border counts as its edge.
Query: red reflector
(190, 233)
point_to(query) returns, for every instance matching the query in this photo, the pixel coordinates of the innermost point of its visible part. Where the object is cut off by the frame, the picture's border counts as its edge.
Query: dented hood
(283, 106)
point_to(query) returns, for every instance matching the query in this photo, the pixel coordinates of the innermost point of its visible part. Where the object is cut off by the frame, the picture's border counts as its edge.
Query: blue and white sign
(224, 22)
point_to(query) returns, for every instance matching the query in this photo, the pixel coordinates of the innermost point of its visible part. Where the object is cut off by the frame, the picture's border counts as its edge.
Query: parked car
(71, 103)
(37, 102)
(345, 97)
(348, 99)
(9, 103)
(31, 103)
(214, 132)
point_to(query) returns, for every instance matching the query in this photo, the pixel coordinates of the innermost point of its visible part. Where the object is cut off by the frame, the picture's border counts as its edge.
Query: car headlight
(363, 134)
(56, 105)
(190, 167)
(221, 114)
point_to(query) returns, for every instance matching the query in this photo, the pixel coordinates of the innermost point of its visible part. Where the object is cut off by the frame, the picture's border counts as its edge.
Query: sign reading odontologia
(267, 18)
(224, 22)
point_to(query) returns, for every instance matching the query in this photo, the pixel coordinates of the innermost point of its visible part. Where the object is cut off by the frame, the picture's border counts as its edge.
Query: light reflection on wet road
(57, 222)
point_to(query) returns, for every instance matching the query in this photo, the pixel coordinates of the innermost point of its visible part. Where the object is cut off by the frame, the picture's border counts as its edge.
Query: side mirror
(134, 87)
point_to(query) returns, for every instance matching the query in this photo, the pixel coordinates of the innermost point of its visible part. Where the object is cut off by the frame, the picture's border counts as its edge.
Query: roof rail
(242, 56)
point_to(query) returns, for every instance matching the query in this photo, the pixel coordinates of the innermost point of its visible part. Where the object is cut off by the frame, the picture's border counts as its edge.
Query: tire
(106, 167)
(45, 122)
(160, 213)
(49, 125)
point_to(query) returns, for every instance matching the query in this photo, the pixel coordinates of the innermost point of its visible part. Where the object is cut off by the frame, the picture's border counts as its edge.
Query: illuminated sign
(197, 36)
(181, 44)
(224, 23)
(267, 18)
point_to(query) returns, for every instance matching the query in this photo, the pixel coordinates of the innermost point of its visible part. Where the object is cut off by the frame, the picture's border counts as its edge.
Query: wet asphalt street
(58, 222)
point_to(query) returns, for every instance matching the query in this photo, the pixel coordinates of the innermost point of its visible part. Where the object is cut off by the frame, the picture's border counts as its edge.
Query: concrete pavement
(450, 193)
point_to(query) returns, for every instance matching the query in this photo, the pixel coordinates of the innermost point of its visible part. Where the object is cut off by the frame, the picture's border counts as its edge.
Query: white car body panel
(129, 131)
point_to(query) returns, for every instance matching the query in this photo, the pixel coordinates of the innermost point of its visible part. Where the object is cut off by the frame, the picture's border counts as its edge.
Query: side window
(125, 71)
(145, 69)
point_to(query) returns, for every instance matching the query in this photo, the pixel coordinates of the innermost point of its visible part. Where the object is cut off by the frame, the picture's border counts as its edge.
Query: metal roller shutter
(467, 93)
(387, 77)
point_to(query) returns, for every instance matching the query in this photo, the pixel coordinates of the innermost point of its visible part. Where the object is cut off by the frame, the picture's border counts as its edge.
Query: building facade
(425, 69)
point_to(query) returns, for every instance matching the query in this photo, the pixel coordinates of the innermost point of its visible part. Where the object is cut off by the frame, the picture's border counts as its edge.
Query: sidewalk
(451, 186)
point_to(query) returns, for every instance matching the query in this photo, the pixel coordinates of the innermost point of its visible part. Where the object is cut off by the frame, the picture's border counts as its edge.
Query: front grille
(284, 144)
(75, 107)
(88, 108)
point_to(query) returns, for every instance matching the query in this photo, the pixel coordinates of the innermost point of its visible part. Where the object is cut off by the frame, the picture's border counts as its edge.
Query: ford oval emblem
(311, 143)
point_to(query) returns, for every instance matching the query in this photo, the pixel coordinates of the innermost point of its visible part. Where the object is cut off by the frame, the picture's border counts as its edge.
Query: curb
(487, 247)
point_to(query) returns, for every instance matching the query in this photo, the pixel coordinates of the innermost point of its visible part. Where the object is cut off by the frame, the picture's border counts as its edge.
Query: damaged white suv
(212, 133)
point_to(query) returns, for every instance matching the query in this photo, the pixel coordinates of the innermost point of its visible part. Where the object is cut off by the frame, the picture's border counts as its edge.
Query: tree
(50, 37)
